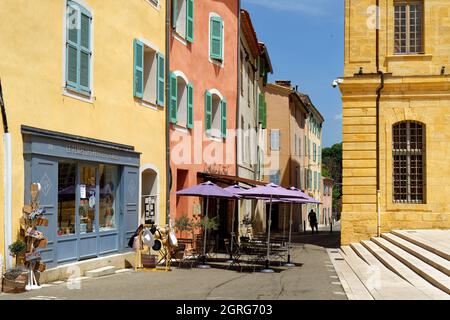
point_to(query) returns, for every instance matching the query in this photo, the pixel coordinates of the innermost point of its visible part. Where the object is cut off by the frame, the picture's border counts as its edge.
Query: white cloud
(338, 117)
(311, 7)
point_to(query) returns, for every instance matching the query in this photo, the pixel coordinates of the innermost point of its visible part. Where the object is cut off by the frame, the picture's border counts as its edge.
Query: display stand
(34, 239)
(164, 253)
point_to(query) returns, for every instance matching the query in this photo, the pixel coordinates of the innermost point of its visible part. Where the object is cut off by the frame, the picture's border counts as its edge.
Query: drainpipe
(379, 89)
(238, 106)
(7, 172)
(168, 170)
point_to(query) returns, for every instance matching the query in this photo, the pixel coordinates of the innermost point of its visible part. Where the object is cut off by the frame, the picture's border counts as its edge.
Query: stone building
(396, 112)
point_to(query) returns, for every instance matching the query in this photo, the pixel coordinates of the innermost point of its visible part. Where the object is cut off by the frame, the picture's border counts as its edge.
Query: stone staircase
(401, 265)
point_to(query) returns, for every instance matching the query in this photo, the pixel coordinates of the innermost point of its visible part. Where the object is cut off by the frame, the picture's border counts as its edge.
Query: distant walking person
(313, 221)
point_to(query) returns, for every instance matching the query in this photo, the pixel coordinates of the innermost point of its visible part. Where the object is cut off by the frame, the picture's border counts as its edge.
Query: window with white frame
(215, 115)
(78, 49)
(181, 101)
(275, 177)
(182, 109)
(275, 139)
(149, 74)
(183, 18)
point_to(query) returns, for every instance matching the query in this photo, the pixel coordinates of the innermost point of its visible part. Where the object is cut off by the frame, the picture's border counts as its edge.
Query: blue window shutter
(208, 111)
(223, 109)
(190, 21)
(78, 48)
(160, 87)
(173, 98)
(190, 106)
(72, 46)
(138, 82)
(216, 38)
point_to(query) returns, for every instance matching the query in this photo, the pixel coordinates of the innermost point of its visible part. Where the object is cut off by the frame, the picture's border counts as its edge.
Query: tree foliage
(332, 168)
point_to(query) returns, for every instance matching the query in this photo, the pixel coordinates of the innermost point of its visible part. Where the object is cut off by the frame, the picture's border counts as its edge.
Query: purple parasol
(206, 189)
(271, 190)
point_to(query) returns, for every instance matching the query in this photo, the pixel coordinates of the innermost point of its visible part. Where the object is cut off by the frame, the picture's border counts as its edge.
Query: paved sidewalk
(313, 278)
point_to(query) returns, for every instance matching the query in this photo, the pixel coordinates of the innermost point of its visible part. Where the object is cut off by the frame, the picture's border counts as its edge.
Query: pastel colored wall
(192, 59)
(31, 70)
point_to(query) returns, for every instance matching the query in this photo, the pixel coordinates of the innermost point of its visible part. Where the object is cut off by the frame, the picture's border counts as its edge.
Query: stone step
(101, 272)
(366, 255)
(432, 275)
(380, 282)
(437, 242)
(353, 287)
(403, 271)
(429, 257)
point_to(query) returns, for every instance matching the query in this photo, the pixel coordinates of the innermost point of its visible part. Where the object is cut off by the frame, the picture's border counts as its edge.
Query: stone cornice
(396, 86)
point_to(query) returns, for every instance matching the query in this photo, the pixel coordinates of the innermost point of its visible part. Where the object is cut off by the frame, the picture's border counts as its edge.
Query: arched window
(181, 100)
(408, 153)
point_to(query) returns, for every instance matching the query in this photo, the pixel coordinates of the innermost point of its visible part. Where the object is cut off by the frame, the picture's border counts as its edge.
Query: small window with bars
(408, 27)
(408, 152)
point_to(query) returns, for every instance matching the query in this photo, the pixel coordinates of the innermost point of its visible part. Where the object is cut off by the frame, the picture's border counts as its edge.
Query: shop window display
(88, 184)
(108, 185)
(67, 175)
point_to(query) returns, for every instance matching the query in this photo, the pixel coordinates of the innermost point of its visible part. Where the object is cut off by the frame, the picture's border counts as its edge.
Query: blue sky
(305, 39)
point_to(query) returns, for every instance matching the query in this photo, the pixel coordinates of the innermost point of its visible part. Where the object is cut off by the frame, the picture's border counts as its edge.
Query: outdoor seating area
(260, 252)
(247, 255)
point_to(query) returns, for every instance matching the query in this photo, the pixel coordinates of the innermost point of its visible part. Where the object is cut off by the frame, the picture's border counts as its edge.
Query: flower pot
(14, 282)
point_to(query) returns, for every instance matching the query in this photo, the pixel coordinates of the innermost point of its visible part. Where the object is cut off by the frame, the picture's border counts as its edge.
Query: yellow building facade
(405, 66)
(83, 86)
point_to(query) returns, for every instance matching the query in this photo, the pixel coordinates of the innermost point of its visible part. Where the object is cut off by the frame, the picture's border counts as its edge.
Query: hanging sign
(83, 191)
(41, 222)
(34, 233)
(32, 256)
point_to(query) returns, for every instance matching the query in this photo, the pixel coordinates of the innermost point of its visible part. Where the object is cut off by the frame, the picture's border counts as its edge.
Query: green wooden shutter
(190, 106)
(138, 83)
(260, 108)
(223, 112)
(190, 21)
(208, 111)
(173, 98)
(216, 38)
(264, 122)
(174, 13)
(161, 75)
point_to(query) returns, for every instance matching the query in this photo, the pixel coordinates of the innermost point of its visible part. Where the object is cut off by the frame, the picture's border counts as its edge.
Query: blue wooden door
(45, 171)
(130, 204)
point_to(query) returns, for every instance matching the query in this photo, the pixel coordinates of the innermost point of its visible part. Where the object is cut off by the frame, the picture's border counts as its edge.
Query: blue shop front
(90, 192)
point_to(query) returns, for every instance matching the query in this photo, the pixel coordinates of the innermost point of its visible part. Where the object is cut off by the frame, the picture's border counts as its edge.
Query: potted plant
(183, 224)
(15, 280)
(17, 249)
(211, 224)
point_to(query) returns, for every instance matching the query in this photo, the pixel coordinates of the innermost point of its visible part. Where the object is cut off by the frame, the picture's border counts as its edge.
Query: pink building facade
(326, 208)
(203, 97)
